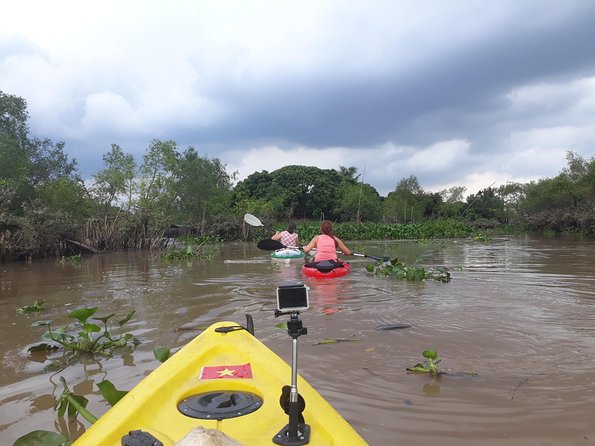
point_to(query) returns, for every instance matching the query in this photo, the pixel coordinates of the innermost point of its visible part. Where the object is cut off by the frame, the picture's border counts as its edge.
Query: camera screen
(292, 298)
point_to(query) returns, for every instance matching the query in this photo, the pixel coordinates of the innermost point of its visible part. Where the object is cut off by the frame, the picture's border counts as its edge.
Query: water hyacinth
(400, 270)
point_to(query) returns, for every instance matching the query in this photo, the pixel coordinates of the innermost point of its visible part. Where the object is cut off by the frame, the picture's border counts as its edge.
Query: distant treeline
(46, 209)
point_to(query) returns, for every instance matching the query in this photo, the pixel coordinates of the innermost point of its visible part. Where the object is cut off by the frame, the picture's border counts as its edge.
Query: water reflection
(431, 388)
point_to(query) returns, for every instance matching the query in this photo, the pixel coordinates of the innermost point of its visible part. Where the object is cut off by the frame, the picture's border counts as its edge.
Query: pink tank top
(325, 248)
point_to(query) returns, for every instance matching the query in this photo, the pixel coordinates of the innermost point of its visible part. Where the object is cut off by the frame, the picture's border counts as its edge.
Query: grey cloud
(458, 92)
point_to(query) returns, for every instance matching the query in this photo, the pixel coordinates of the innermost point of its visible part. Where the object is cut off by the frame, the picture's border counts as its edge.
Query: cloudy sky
(455, 92)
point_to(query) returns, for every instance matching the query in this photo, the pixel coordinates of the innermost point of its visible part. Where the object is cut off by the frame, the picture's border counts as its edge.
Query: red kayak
(312, 271)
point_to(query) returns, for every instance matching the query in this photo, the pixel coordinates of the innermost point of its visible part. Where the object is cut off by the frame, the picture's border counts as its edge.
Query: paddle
(253, 221)
(378, 259)
(270, 245)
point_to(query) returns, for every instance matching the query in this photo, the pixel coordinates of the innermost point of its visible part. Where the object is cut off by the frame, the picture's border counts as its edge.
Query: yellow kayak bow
(224, 379)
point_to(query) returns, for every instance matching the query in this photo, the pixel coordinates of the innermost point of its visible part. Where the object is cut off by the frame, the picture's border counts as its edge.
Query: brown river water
(515, 329)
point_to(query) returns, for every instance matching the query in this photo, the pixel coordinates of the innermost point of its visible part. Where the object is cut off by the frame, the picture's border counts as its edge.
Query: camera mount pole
(294, 433)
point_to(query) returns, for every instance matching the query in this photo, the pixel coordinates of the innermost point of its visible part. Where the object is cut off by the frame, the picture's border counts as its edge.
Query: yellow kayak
(223, 379)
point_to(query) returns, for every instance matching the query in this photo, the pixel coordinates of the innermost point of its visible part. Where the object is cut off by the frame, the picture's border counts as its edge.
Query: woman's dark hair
(327, 228)
(291, 227)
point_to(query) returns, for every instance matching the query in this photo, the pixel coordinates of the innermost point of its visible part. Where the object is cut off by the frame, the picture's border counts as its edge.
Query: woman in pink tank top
(326, 244)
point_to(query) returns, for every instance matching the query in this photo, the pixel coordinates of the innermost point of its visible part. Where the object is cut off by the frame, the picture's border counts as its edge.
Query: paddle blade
(252, 220)
(270, 244)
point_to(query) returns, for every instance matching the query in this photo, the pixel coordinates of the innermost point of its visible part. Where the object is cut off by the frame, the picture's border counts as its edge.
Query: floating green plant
(481, 237)
(71, 260)
(36, 307)
(400, 270)
(70, 404)
(82, 336)
(429, 364)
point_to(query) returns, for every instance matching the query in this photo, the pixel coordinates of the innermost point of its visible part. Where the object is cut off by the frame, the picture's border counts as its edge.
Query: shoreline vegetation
(48, 210)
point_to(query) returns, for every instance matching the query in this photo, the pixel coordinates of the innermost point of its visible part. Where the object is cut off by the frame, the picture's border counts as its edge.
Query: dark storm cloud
(450, 94)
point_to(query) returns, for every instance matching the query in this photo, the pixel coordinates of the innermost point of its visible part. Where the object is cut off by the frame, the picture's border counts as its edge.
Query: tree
(408, 202)
(15, 162)
(202, 188)
(308, 192)
(183, 187)
(581, 174)
(410, 184)
(485, 204)
(349, 172)
(155, 186)
(43, 197)
(117, 180)
(25, 163)
(358, 202)
(255, 186)
(49, 162)
(14, 132)
(452, 201)
(512, 194)
(69, 198)
(565, 202)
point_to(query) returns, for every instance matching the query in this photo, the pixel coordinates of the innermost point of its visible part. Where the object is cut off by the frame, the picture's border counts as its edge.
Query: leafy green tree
(37, 178)
(25, 163)
(432, 202)
(581, 175)
(156, 192)
(486, 204)
(565, 202)
(15, 151)
(181, 187)
(256, 195)
(452, 201)
(349, 172)
(49, 162)
(157, 177)
(14, 141)
(512, 195)
(202, 188)
(255, 186)
(113, 192)
(68, 197)
(358, 202)
(548, 204)
(117, 180)
(410, 184)
(308, 192)
(408, 203)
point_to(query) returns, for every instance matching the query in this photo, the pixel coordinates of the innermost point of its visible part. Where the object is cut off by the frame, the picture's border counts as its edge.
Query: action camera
(292, 296)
